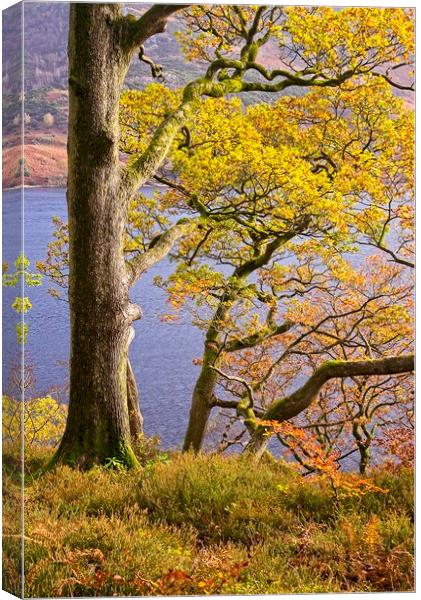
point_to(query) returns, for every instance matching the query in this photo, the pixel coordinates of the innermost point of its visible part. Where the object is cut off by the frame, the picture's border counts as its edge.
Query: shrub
(188, 524)
(43, 421)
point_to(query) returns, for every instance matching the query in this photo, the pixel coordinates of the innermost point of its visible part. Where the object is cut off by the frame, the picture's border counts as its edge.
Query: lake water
(161, 353)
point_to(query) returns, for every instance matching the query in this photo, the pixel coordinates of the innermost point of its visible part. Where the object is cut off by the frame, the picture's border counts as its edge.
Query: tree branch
(145, 166)
(395, 84)
(156, 70)
(395, 257)
(238, 380)
(159, 248)
(153, 21)
(217, 83)
(253, 340)
(292, 405)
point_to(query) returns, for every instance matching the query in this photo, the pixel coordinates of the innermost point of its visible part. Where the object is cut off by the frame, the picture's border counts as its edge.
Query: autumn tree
(257, 201)
(352, 415)
(311, 188)
(362, 314)
(102, 42)
(48, 119)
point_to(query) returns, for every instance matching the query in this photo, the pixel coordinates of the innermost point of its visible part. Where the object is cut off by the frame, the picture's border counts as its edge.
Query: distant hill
(45, 79)
(45, 30)
(46, 99)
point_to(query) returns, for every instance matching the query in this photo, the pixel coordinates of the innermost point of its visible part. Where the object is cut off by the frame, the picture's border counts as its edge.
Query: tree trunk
(364, 458)
(135, 415)
(256, 446)
(98, 425)
(201, 406)
(204, 390)
(203, 394)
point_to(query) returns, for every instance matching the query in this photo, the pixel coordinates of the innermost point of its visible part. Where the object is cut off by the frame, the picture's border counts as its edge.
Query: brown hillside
(45, 161)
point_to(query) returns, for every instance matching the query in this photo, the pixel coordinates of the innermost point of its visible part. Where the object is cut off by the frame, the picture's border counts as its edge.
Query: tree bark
(98, 424)
(103, 405)
(135, 415)
(202, 401)
(256, 446)
(204, 390)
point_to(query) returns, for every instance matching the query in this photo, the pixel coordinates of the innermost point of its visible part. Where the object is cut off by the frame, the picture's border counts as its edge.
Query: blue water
(161, 353)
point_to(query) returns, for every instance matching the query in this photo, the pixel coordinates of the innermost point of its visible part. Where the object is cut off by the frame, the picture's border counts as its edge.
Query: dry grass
(204, 525)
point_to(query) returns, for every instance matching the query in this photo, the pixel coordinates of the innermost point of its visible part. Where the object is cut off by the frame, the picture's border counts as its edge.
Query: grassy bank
(206, 525)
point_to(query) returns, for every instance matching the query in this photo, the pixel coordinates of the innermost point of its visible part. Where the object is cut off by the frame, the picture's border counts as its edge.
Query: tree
(301, 191)
(367, 317)
(48, 119)
(102, 42)
(101, 45)
(352, 415)
(257, 200)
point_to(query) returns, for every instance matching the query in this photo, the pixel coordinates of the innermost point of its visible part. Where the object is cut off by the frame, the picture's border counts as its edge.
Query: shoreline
(60, 187)
(30, 187)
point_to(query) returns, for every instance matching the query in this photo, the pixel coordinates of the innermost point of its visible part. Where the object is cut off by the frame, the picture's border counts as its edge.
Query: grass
(204, 524)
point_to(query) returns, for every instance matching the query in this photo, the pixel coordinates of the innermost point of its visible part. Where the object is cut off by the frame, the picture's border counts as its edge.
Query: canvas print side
(13, 326)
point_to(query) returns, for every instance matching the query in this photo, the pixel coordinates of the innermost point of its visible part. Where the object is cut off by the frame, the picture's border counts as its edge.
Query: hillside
(46, 100)
(46, 26)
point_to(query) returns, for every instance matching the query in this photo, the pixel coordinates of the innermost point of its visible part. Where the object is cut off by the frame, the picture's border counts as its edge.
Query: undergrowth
(204, 524)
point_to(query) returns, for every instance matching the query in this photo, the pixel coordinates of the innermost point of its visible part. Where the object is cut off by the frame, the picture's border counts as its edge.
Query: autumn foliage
(295, 217)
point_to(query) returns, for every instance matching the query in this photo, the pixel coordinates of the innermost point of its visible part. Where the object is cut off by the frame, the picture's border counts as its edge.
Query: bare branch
(395, 84)
(156, 70)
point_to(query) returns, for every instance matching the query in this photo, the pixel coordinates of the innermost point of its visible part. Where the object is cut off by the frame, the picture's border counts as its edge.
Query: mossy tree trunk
(135, 416)
(204, 389)
(100, 421)
(203, 398)
(101, 314)
(363, 439)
